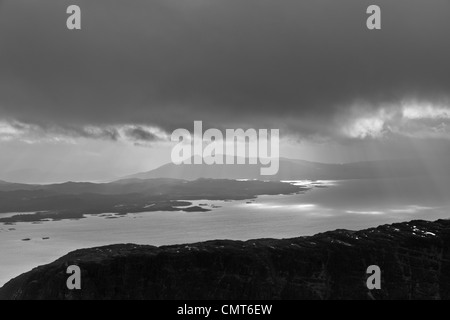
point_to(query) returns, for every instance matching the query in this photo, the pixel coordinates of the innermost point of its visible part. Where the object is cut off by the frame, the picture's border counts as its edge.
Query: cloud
(141, 134)
(32, 133)
(427, 111)
(413, 119)
(366, 127)
(299, 66)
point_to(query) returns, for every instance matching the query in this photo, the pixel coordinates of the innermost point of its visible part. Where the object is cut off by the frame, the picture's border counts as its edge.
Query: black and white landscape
(86, 170)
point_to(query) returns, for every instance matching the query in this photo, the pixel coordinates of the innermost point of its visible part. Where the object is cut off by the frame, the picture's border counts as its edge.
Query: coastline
(414, 257)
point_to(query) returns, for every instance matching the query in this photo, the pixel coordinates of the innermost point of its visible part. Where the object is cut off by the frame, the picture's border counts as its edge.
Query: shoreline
(385, 243)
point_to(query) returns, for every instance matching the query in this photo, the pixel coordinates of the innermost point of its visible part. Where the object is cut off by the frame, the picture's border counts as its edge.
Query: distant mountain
(414, 258)
(8, 186)
(36, 176)
(291, 170)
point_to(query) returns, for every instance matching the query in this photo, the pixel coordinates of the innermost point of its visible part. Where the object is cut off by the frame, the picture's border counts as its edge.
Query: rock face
(414, 258)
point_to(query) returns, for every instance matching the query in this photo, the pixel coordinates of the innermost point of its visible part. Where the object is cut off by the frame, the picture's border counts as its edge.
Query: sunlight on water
(354, 204)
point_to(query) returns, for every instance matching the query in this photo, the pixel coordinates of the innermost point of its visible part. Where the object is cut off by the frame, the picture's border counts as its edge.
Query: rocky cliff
(414, 258)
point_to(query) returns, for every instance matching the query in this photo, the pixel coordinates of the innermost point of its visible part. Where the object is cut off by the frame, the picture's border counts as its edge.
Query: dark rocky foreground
(414, 258)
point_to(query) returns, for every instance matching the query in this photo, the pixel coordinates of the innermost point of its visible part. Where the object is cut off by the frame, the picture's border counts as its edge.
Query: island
(414, 258)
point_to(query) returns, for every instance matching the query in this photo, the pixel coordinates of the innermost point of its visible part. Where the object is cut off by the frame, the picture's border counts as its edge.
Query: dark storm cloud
(292, 64)
(32, 131)
(141, 135)
(97, 133)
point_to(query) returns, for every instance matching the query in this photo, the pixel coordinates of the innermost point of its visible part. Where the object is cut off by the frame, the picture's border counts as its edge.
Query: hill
(73, 200)
(291, 170)
(414, 258)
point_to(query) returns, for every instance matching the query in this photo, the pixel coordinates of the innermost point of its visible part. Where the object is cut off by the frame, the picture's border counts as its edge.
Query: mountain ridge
(290, 169)
(414, 258)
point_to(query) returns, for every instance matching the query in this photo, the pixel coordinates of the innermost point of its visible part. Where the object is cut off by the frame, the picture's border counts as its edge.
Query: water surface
(354, 204)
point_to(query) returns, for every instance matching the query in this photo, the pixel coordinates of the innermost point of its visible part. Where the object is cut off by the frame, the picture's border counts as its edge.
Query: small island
(414, 258)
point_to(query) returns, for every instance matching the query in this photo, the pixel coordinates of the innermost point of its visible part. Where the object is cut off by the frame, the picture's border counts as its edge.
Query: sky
(101, 102)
